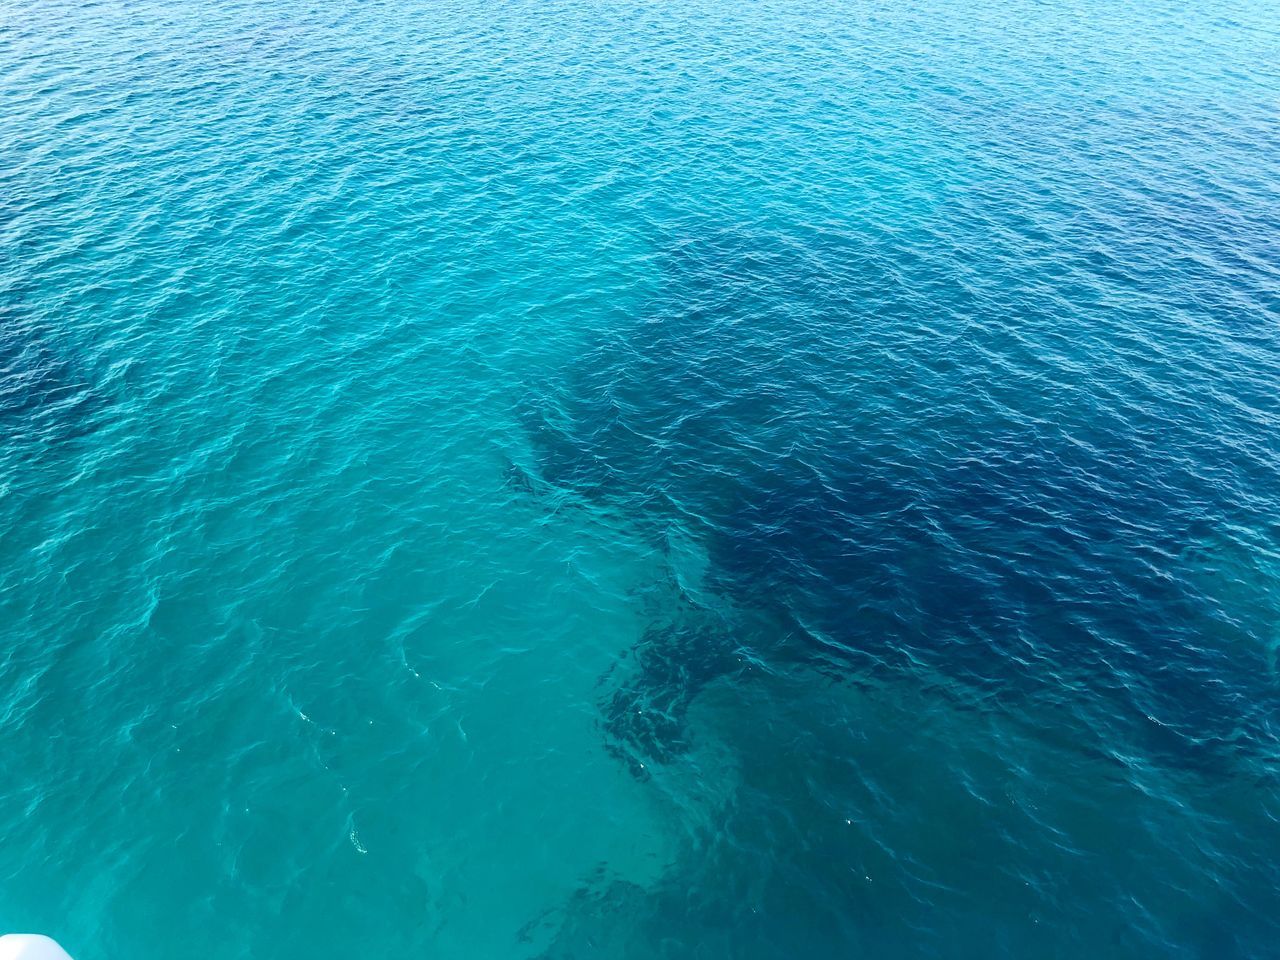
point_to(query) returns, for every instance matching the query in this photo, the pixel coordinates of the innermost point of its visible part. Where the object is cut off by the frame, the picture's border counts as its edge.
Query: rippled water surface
(640, 480)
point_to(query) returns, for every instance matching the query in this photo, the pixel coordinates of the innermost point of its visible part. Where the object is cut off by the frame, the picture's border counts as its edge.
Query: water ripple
(617, 480)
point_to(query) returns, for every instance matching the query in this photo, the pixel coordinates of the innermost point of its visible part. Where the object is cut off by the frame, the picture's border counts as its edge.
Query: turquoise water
(634, 480)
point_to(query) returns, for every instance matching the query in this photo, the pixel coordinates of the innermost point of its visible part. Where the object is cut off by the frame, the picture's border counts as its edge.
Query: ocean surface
(620, 479)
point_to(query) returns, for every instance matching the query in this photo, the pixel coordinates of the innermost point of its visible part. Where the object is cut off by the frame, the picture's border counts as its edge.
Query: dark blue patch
(897, 489)
(42, 395)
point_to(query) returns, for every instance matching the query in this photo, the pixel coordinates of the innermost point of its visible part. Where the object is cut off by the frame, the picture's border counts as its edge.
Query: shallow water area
(622, 480)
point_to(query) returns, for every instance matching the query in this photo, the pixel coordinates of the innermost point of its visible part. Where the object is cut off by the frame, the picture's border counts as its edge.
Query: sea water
(629, 479)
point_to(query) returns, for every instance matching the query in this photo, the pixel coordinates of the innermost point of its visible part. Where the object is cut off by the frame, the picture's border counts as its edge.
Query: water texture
(636, 480)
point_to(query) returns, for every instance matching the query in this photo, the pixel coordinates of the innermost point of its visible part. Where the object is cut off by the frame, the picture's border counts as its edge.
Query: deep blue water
(637, 480)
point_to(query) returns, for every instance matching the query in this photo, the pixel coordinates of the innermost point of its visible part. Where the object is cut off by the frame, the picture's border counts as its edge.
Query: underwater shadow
(854, 450)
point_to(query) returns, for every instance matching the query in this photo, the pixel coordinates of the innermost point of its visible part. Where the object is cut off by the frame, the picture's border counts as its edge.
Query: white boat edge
(30, 946)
